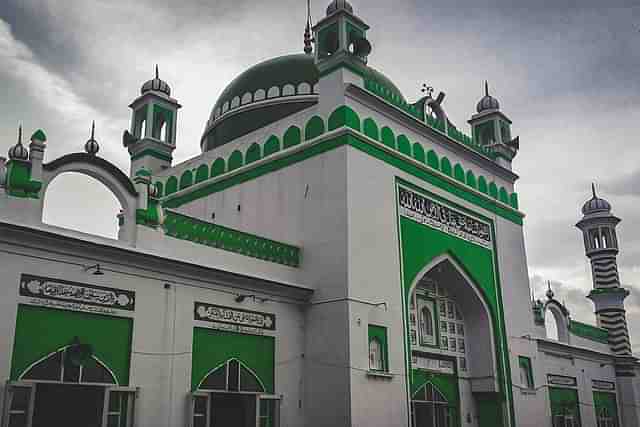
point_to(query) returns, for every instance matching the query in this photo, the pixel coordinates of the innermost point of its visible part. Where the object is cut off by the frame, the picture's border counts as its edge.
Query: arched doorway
(69, 387)
(232, 395)
(452, 344)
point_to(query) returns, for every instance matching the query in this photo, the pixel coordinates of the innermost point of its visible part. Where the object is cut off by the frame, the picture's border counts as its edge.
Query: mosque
(336, 256)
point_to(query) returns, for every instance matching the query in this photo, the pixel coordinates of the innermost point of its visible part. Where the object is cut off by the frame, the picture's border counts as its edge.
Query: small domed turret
(18, 151)
(595, 204)
(337, 5)
(488, 102)
(157, 85)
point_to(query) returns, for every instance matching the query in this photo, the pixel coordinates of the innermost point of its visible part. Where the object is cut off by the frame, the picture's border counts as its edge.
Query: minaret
(151, 139)
(491, 128)
(598, 226)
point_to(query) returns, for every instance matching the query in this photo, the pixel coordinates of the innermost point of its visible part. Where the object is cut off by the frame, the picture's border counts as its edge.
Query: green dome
(276, 79)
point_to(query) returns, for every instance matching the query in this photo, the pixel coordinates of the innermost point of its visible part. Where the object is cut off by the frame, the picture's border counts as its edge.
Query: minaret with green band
(151, 139)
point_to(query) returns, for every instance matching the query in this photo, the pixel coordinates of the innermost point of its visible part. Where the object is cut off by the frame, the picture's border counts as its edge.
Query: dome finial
(92, 147)
(157, 72)
(308, 49)
(20, 133)
(486, 88)
(593, 190)
(18, 151)
(550, 293)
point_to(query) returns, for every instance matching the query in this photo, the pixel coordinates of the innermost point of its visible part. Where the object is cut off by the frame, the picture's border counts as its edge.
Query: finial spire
(486, 88)
(93, 129)
(20, 133)
(593, 189)
(549, 290)
(157, 73)
(308, 49)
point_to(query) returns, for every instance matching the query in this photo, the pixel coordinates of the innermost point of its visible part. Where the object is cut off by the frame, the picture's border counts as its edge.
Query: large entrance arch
(107, 174)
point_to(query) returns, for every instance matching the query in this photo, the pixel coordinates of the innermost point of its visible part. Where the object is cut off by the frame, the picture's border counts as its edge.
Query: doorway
(68, 405)
(233, 410)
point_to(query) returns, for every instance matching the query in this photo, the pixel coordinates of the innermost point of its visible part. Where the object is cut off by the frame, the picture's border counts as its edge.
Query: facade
(336, 256)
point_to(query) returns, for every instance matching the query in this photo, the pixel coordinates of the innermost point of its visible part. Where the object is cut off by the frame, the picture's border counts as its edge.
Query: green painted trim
(525, 362)
(589, 332)
(41, 331)
(19, 182)
(496, 305)
(376, 150)
(152, 153)
(205, 233)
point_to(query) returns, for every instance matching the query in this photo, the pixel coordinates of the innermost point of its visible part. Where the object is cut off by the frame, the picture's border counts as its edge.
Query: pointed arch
(482, 185)
(387, 137)
(314, 128)
(418, 152)
(445, 166)
(344, 117)
(202, 173)
(172, 185)
(503, 195)
(218, 167)
(235, 160)
(232, 375)
(493, 190)
(474, 302)
(58, 367)
(254, 153)
(404, 146)
(432, 160)
(272, 146)
(370, 128)
(458, 173)
(292, 137)
(186, 180)
(471, 179)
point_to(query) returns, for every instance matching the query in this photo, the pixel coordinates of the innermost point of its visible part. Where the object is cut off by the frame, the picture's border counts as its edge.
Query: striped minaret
(598, 226)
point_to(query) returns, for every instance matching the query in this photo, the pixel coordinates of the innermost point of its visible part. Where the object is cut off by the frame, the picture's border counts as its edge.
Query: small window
(426, 321)
(378, 350)
(526, 372)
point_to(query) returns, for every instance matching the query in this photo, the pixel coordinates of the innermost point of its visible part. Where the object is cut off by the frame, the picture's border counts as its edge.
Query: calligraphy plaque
(233, 316)
(603, 385)
(444, 218)
(44, 288)
(562, 380)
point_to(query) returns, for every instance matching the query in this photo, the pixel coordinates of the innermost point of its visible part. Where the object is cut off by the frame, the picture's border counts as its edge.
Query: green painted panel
(471, 179)
(503, 195)
(211, 348)
(404, 146)
(172, 185)
(446, 384)
(445, 166)
(218, 167)
(370, 128)
(292, 137)
(235, 160)
(606, 401)
(160, 189)
(458, 173)
(432, 160)
(314, 128)
(388, 138)
(41, 331)
(490, 412)
(202, 174)
(589, 332)
(418, 152)
(482, 185)
(493, 190)
(186, 180)
(344, 117)
(564, 401)
(272, 146)
(254, 153)
(514, 201)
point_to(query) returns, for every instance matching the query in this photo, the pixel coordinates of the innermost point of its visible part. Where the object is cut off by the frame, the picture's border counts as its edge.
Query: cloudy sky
(565, 71)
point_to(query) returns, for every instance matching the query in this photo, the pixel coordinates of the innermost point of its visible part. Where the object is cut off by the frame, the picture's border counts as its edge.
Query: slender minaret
(598, 225)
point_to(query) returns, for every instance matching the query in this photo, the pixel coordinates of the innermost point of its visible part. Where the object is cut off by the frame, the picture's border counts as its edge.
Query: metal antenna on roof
(308, 40)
